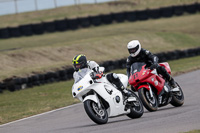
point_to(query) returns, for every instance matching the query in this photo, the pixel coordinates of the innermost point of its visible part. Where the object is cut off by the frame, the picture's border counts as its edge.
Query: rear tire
(99, 116)
(177, 98)
(137, 108)
(151, 104)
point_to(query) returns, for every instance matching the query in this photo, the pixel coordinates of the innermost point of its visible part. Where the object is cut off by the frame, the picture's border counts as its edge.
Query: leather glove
(153, 66)
(98, 76)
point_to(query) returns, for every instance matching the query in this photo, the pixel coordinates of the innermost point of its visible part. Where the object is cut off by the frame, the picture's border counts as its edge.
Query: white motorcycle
(103, 100)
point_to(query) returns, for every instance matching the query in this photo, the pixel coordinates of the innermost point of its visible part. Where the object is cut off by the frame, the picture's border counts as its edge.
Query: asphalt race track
(73, 119)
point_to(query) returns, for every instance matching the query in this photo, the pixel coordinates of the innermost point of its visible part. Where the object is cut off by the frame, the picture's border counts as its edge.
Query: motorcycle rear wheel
(177, 98)
(151, 104)
(99, 116)
(137, 108)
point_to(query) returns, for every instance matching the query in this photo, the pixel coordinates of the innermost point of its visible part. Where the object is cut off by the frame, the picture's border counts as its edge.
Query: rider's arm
(93, 66)
(128, 67)
(153, 58)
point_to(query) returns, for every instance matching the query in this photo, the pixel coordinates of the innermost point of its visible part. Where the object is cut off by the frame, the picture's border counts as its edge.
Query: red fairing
(145, 77)
(167, 67)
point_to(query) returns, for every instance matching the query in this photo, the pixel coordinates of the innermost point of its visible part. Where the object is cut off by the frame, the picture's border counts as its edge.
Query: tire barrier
(191, 8)
(95, 20)
(49, 26)
(26, 30)
(83, 22)
(107, 18)
(142, 15)
(179, 10)
(154, 13)
(61, 25)
(166, 11)
(14, 32)
(4, 33)
(73, 24)
(131, 16)
(38, 28)
(17, 83)
(119, 17)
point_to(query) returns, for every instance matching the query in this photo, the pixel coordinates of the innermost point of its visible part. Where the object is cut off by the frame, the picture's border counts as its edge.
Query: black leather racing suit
(149, 59)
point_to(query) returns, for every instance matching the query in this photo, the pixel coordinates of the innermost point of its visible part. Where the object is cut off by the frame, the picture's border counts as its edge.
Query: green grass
(47, 52)
(28, 102)
(85, 10)
(193, 131)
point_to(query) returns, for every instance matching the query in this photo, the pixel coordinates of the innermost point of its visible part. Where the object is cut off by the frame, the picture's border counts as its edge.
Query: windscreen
(80, 74)
(136, 67)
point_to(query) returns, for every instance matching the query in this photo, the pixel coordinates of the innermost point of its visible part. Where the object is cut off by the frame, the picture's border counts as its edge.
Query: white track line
(39, 115)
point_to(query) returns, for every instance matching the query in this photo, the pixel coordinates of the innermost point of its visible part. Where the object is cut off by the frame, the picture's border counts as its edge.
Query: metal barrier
(18, 6)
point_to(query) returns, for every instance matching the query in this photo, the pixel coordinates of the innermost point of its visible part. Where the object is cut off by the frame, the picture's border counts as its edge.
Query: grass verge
(85, 10)
(48, 52)
(193, 131)
(28, 102)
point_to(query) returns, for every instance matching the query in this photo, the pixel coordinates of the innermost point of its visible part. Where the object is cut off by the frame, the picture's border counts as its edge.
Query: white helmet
(134, 47)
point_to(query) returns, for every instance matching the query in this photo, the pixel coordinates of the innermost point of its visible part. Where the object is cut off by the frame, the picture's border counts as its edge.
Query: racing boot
(167, 77)
(172, 82)
(120, 86)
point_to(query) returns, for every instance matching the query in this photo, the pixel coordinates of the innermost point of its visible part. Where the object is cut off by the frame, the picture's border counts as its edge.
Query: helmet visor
(133, 50)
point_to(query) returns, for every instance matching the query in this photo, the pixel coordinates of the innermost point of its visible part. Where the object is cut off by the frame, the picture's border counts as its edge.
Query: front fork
(150, 91)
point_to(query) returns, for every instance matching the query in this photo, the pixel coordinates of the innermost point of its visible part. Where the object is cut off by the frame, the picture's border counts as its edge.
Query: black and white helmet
(134, 47)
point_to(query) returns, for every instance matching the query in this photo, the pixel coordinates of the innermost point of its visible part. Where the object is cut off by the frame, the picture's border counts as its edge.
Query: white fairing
(104, 89)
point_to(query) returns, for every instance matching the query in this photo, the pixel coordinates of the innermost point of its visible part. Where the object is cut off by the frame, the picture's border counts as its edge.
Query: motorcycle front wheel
(150, 103)
(136, 107)
(98, 115)
(177, 97)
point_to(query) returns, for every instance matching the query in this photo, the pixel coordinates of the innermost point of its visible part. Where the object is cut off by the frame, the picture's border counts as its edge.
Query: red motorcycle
(152, 89)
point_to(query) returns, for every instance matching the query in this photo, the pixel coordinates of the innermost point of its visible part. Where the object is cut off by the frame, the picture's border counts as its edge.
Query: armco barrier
(13, 84)
(73, 24)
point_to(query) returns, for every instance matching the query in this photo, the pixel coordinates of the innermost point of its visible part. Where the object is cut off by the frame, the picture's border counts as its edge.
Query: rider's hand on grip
(99, 75)
(153, 66)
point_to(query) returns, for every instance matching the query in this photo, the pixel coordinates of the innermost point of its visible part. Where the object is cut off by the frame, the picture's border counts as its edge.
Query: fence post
(55, 3)
(16, 9)
(36, 6)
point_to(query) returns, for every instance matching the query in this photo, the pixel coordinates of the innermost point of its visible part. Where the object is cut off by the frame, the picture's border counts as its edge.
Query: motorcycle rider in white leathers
(82, 67)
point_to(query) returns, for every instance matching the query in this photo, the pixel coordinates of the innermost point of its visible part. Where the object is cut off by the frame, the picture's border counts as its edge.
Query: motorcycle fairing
(101, 89)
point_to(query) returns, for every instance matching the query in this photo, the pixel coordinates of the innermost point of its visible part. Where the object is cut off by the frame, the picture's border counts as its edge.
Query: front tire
(177, 97)
(98, 115)
(151, 104)
(136, 108)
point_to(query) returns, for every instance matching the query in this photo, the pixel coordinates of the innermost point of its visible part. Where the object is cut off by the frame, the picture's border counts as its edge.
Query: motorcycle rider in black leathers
(138, 54)
(81, 64)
